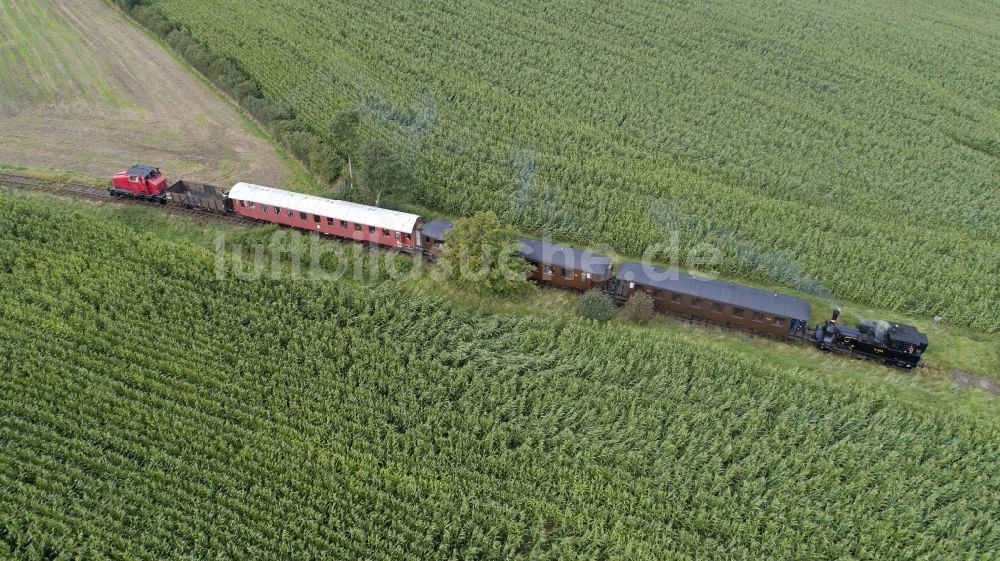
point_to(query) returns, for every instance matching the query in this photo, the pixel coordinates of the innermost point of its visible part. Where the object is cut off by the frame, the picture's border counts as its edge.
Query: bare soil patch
(967, 380)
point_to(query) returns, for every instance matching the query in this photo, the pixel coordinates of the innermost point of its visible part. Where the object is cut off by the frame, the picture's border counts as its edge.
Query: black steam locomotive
(887, 342)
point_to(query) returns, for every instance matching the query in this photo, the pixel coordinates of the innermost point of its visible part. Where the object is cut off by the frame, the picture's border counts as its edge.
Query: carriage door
(623, 287)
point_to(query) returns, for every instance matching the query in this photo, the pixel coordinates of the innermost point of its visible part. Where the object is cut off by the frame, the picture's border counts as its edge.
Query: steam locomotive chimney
(836, 314)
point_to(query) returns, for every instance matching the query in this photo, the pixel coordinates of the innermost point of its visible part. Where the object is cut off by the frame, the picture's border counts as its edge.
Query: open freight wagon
(201, 196)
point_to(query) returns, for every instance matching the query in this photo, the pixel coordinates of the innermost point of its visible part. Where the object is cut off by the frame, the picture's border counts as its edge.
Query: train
(718, 302)
(883, 341)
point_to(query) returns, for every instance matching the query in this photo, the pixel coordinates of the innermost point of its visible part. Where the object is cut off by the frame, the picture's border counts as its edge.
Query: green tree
(639, 306)
(326, 162)
(345, 133)
(596, 305)
(383, 171)
(481, 255)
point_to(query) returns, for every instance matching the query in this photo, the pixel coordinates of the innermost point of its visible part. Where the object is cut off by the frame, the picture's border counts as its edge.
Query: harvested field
(85, 90)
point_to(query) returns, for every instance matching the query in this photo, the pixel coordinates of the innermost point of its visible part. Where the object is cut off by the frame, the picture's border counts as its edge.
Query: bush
(300, 144)
(326, 162)
(265, 111)
(639, 306)
(596, 305)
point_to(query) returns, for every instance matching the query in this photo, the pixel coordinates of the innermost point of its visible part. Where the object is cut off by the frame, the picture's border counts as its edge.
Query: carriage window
(251, 205)
(329, 221)
(779, 322)
(567, 273)
(548, 270)
(263, 208)
(397, 235)
(316, 218)
(631, 285)
(407, 237)
(291, 213)
(757, 316)
(675, 297)
(371, 230)
(243, 204)
(343, 224)
(716, 308)
(277, 210)
(587, 276)
(738, 312)
(696, 303)
(385, 232)
(302, 215)
(357, 227)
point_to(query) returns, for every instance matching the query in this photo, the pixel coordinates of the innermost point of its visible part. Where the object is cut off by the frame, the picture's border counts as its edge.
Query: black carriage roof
(564, 256)
(435, 229)
(141, 170)
(716, 291)
(907, 334)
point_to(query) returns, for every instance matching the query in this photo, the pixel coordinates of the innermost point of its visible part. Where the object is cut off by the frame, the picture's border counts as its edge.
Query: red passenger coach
(342, 219)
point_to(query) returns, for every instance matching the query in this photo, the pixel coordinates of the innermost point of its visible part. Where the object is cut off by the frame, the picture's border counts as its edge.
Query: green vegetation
(481, 255)
(273, 251)
(59, 176)
(40, 63)
(848, 148)
(326, 419)
(596, 305)
(639, 307)
(84, 91)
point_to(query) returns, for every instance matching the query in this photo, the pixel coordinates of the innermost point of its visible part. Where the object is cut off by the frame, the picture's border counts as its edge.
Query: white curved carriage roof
(339, 210)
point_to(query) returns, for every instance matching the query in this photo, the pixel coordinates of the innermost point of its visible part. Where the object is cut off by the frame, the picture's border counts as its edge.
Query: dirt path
(966, 380)
(86, 91)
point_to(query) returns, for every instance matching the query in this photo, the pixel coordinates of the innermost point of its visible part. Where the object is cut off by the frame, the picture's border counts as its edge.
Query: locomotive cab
(906, 339)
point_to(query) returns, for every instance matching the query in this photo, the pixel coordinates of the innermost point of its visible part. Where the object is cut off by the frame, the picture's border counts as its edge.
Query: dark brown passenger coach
(716, 301)
(433, 234)
(561, 265)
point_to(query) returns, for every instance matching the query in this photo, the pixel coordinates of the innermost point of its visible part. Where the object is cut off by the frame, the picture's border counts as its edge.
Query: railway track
(9, 180)
(35, 184)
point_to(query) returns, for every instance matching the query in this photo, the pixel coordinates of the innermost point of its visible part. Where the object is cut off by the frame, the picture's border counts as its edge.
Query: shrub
(596, 305)
(639, 306)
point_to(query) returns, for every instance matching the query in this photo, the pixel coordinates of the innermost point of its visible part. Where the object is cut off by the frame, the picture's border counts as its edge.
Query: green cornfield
(155, 405)
(847, 148)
